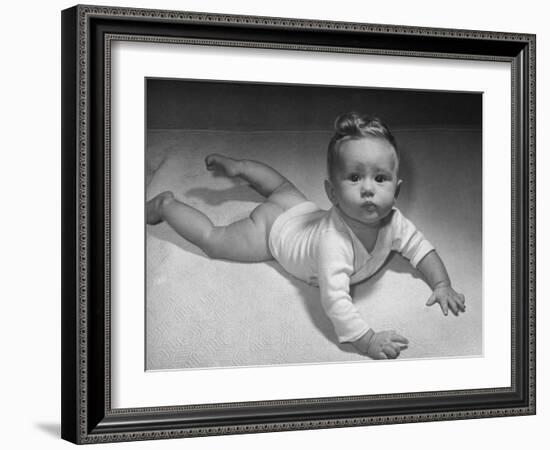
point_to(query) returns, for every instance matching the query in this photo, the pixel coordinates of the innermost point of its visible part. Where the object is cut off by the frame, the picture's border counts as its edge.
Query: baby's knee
(166, 198)
(212, 248)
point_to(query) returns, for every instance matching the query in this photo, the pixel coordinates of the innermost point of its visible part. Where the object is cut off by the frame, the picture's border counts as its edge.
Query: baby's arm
(335, 260)
(412, 245)
(436, 275)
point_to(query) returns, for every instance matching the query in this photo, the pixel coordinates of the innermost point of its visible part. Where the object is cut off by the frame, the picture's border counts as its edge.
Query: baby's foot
(154, 207)
(224, 164)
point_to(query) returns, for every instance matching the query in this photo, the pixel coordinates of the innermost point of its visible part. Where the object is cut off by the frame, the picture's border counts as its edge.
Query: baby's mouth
(370, 206)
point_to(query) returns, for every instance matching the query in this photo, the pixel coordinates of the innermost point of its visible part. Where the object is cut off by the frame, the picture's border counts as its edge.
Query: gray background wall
(191, 105)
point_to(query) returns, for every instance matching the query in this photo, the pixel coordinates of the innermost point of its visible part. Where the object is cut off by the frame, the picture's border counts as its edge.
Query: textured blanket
(207, 313)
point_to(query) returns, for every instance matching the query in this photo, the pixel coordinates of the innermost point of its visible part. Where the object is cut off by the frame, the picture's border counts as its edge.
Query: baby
(332, 249)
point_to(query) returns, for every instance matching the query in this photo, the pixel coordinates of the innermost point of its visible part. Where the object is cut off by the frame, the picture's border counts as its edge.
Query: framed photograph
(267, 222)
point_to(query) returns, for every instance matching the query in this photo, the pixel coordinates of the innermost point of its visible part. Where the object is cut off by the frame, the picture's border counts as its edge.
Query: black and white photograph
(302, 224)
(277, 224)
(248, 225)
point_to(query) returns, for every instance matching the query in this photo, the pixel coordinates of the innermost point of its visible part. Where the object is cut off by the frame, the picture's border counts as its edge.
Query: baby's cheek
(389, 196)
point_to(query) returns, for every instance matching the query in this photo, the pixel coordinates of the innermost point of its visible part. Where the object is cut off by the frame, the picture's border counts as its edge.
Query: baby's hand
(447, 298)
(381, 345)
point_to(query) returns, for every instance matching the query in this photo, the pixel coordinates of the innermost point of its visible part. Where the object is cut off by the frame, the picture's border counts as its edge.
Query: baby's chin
(377, 219)
(371, 221)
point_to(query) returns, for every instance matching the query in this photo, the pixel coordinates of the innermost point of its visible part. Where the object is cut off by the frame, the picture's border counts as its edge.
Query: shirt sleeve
(408, 241)
(335, 267)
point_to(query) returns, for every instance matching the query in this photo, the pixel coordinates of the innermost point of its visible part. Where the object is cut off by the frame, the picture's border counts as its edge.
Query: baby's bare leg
(245, 240)
(262, 178)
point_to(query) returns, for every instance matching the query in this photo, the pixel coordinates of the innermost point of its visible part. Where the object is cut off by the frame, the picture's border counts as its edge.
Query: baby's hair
(352, 125)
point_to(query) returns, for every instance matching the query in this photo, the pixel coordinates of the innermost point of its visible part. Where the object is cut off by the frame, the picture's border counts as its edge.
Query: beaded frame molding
(87, 34)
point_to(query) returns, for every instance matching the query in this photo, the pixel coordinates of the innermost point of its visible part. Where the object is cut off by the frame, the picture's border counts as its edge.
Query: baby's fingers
(453, 306)
(431, 300)
(394, 349)
(390, 351)
(461, 302)
(399, 339)
(442, 303)
(457, 304)
(444, 307)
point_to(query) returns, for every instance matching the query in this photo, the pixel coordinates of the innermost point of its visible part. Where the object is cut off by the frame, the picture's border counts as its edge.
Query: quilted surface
(206, 313)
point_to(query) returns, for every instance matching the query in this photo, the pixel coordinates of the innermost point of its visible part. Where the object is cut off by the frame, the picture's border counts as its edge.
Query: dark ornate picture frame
(87, 34)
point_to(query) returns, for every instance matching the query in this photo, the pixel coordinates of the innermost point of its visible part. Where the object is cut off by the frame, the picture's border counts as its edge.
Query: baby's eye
(380, 178)
(354, 177)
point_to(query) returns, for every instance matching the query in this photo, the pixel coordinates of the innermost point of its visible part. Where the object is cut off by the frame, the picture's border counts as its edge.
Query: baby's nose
(367, 188)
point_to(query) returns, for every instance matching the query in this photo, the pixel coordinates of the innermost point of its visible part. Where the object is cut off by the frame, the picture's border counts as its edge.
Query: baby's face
(364, 182)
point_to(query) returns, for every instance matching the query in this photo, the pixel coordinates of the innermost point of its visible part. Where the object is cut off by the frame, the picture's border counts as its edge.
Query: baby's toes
(155, 205)
(219, 163)
(210, 162)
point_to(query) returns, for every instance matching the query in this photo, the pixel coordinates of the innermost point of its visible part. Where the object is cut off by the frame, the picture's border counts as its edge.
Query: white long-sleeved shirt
(318, 247)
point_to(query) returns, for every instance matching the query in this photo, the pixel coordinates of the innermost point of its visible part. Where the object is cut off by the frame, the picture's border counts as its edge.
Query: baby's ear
(398, 188)
(329, 189)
